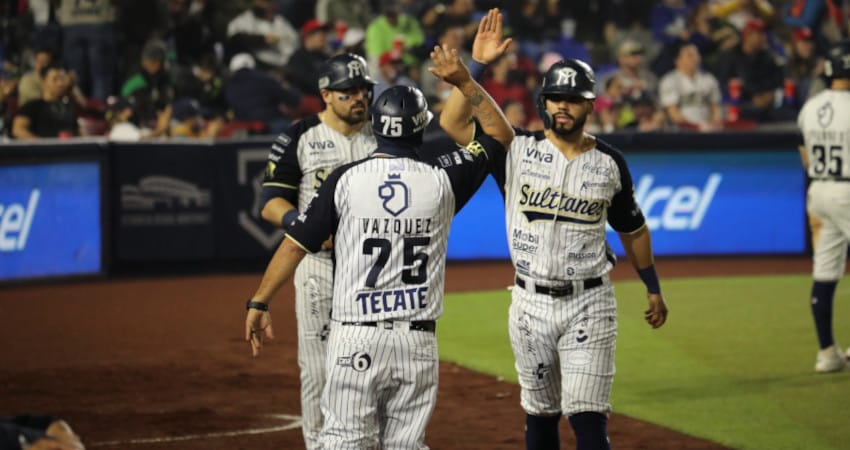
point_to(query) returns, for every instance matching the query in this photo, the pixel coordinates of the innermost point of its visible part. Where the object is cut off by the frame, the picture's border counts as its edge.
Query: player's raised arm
(449, 67)
(456, 117)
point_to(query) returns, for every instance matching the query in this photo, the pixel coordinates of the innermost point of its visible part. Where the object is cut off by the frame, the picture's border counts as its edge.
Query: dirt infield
(160, 364)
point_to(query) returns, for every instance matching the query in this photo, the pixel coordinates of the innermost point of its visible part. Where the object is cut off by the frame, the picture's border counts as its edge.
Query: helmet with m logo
(566, 77)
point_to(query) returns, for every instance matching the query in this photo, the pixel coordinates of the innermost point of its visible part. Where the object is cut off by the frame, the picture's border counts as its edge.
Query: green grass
(734, 363)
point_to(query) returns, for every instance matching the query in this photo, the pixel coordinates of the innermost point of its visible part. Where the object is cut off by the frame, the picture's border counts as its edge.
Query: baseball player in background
(390, 216)
(826, 157)
(560, 186)
(299, 162)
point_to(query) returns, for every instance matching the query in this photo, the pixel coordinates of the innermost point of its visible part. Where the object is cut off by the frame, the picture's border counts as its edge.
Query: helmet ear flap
(541, 111)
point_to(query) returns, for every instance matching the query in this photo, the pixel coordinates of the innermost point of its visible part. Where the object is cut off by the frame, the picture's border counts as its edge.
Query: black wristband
(476, 69)
(650, 279)
(257, 305)
(289, 218)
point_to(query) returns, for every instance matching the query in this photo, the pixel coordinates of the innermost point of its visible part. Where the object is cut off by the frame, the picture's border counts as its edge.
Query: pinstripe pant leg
(534, 337)
(313, 296)
(415, 370)
(587, 351)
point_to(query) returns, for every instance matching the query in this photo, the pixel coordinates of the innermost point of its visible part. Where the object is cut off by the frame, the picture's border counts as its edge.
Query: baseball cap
(313, 25)
(154, 51)
(185, 108)
(241, 61)
(802, 33)
(389, 57)
(754, 25)
(353, 36)
(630, 47)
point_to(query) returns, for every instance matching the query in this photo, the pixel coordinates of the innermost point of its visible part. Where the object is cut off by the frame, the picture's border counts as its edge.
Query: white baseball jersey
(563, 317)
(826, 138)
(556, 209)
(299, 162)
(390, 216)
(694, 96)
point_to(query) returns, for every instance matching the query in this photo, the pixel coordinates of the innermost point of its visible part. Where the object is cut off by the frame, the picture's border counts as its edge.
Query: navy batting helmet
(400, 111)
(837, 63)
(566, 77)
(345, 71)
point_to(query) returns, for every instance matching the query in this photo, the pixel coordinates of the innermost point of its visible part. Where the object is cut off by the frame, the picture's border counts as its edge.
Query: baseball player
(826, 156)
(560, 187)
(299, 162)
(390, 216)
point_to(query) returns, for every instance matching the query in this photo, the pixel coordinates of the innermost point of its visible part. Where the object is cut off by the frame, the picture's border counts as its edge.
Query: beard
(568, 131)
(353, 117)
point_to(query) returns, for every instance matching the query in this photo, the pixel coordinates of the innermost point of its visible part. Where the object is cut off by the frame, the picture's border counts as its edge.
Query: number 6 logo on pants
(359, 361)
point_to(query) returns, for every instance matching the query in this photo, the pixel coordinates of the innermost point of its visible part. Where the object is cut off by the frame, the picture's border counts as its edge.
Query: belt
(416, 325)
(840, 180)
(563, 290)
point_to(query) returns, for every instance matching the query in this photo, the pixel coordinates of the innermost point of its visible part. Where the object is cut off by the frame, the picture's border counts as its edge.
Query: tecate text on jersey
(392, 300)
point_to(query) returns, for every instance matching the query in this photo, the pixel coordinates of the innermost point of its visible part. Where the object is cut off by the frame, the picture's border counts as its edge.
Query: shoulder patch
(475, 148)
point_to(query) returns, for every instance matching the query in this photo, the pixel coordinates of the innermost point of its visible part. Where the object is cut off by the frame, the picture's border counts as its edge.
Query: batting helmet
(400, 111)
(837, 63)
(566, 77)
(345, 71)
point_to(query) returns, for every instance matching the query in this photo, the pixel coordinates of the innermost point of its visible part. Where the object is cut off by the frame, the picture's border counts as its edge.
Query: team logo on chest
(395, 194)
(553, 204)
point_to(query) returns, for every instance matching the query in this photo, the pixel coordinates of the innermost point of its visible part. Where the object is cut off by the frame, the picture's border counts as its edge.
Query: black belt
(561, 291)
(416, 325)
(841, 180)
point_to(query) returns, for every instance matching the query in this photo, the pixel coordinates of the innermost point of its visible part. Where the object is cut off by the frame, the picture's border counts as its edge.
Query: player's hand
(50, 444)
(448, 66)
(488, 45)
(656, 315)
(258, 325)
(62, 432)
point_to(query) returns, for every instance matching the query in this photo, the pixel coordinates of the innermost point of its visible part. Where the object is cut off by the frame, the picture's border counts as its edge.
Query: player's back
(390, 245)
(826, 134)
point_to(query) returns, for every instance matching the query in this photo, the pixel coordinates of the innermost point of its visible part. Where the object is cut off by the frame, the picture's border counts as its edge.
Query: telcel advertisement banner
(50, 220)
(728, 202)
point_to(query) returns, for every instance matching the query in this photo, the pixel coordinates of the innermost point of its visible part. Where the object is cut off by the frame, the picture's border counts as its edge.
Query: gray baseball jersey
(826, 138)
(299, 162)
(390, 215)
(563, 319)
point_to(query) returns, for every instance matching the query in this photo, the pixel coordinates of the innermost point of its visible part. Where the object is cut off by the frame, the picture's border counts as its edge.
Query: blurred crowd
(133, 69)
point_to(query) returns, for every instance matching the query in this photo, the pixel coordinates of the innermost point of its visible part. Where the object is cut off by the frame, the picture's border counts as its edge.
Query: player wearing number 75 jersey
(826, 155)
(390, 216)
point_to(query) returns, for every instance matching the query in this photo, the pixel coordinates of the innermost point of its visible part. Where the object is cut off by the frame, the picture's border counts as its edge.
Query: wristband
(650, 279)
(257, 305)
(289, 218)
(476, 69)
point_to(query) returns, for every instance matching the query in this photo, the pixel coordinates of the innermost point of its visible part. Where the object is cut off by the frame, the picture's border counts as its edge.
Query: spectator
(761, 105)
(452, 13)
(647, 116)
(151, 88)
(739, 12)
(29, 86)
(205, 84)
(264, 34)
(710, 34)
(534, 24)
(37, 432)
(391, 73)
(88, 37)
(750, 60)
(609, 105)
(392, 30)
(515, 113)
(307, 62)
(689, 96)
(190, 123)
(54, 115)
(823, 17)
(352, 42)
(120, 117)
(354, 13)
(634, 78)
(452, 36)
(805, 65)
(254, 96)
(504, 81)
(668, 20)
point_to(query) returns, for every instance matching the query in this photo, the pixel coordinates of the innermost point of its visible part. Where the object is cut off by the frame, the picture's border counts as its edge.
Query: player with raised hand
(826, 157)
(561, 185)
(390, 216)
